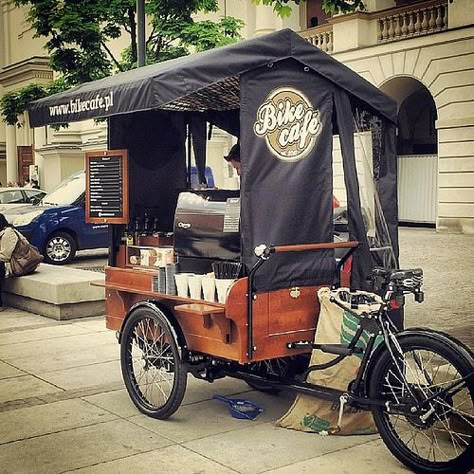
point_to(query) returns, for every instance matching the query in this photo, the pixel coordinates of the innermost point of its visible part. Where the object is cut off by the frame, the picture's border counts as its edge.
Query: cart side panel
(278, 318)
(116, 306)
(293, 310)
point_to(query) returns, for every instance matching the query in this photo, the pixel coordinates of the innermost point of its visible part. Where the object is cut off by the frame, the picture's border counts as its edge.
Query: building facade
(419, 52)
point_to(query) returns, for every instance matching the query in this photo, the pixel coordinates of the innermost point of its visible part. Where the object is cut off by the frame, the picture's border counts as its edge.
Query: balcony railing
(393, 24)
(321, 37)
(413, 20)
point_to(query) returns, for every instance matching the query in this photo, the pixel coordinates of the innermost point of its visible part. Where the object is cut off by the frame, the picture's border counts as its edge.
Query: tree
(79, 33)
(283, 9)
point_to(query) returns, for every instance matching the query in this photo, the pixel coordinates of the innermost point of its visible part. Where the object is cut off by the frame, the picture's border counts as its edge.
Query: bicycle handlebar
(303, 247)
(264, 251)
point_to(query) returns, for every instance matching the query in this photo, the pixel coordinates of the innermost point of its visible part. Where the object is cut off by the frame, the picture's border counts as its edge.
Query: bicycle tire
(449, 413)
(152, 368)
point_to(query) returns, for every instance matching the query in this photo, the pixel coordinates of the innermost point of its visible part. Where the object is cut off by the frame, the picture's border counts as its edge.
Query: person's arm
(8, 244)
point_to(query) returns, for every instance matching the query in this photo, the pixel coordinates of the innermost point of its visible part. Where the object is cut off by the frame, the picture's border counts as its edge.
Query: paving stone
(26, 386)
(11, 318)
(22, 403)
(175, 459)
(446, 260)
(43, 333)
(81, 392)
(200, 420)
(85, 376)
(55, 346)
(117, 402)
(39, 420)
(76, 448)
(6, 371)
(369, 457)
(94, 324)
(199, 390)
(263, 447)
(46, 362)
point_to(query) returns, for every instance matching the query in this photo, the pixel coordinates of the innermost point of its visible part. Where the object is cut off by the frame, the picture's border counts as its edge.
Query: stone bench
(56, 292)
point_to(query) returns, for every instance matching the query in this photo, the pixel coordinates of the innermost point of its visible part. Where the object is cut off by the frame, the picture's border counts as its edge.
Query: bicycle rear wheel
(438, 438)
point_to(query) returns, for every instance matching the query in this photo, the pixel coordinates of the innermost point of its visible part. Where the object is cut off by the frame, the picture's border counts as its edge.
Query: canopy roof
(207, 81)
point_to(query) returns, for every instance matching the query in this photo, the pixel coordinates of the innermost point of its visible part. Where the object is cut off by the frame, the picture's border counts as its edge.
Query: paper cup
(223, 287)
(181, 280)
(209, 288)
(194, 284)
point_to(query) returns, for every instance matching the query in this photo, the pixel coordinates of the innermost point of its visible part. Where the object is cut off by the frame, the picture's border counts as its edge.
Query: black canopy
(196, 82)
(285, 99)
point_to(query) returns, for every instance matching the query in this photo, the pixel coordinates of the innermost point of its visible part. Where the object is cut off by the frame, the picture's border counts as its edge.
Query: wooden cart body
(149, 111)
(221, 330)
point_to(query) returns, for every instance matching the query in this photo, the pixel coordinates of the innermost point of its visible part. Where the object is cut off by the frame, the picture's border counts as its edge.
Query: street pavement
(63, 407)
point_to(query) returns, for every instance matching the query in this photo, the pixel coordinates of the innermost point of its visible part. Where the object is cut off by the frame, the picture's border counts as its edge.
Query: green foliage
(283, 9)
(79, 33)
(342, 6)
(14, 103)
(280, 7)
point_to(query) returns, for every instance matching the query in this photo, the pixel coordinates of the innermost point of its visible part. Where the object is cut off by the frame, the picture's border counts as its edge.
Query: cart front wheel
(437, 437)
(152, 367)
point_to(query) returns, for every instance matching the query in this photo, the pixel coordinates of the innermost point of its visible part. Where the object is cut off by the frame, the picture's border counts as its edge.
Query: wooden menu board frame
(94, 161)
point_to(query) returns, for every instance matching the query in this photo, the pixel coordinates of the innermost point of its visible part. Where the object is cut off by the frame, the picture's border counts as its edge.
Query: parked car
(13, 197)
(57, 224)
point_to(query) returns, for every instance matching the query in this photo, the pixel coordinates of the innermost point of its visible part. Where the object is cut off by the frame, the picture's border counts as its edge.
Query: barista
(234, 157)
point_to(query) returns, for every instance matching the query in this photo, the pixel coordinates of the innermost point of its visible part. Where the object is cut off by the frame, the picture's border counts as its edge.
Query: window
(11, 197)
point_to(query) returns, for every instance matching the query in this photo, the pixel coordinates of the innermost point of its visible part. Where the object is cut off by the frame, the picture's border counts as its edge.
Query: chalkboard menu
(107, 187)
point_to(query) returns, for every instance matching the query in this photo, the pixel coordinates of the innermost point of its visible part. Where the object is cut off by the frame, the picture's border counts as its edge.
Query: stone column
(265, 20)
(39, 141)
(12, 159)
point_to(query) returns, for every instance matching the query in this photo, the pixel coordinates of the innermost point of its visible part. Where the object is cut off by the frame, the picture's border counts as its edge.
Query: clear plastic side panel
(368, 150)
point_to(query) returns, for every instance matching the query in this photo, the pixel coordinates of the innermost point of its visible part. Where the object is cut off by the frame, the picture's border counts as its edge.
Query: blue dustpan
(239, 408)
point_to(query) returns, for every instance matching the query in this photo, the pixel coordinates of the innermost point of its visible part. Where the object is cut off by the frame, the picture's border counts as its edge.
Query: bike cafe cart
(285, 100)
(295, 110)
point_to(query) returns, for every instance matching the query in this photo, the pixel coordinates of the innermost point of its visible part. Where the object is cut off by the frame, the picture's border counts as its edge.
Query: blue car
(57, 224)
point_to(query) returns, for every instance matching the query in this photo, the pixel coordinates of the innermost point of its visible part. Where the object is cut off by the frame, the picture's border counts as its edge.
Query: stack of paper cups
(223, 287)
(209, 287)
(194, 284)
(181, 280)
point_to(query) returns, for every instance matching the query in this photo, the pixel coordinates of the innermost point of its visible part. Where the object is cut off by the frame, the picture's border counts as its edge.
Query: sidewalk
(63, 406)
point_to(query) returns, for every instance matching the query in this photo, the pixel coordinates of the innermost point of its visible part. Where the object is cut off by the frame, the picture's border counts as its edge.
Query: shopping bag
(335, 326)
(25, 258)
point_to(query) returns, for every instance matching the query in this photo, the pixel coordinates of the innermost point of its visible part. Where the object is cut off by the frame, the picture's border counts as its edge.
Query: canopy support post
(141, 33)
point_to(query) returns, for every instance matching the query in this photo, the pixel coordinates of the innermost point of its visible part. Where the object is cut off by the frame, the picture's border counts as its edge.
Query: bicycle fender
(425, 332)
(443, 337)
(156, 306)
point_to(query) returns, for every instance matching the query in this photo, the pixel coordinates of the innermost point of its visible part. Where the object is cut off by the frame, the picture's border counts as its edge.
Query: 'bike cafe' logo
(289, 124)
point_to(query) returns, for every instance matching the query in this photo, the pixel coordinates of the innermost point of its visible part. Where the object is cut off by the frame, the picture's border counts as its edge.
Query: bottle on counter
(136, 229)
(155, 227)
(146, 224)
(129, 236)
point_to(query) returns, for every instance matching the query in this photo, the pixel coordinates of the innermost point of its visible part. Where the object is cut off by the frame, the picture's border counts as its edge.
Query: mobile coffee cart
(285, 100)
